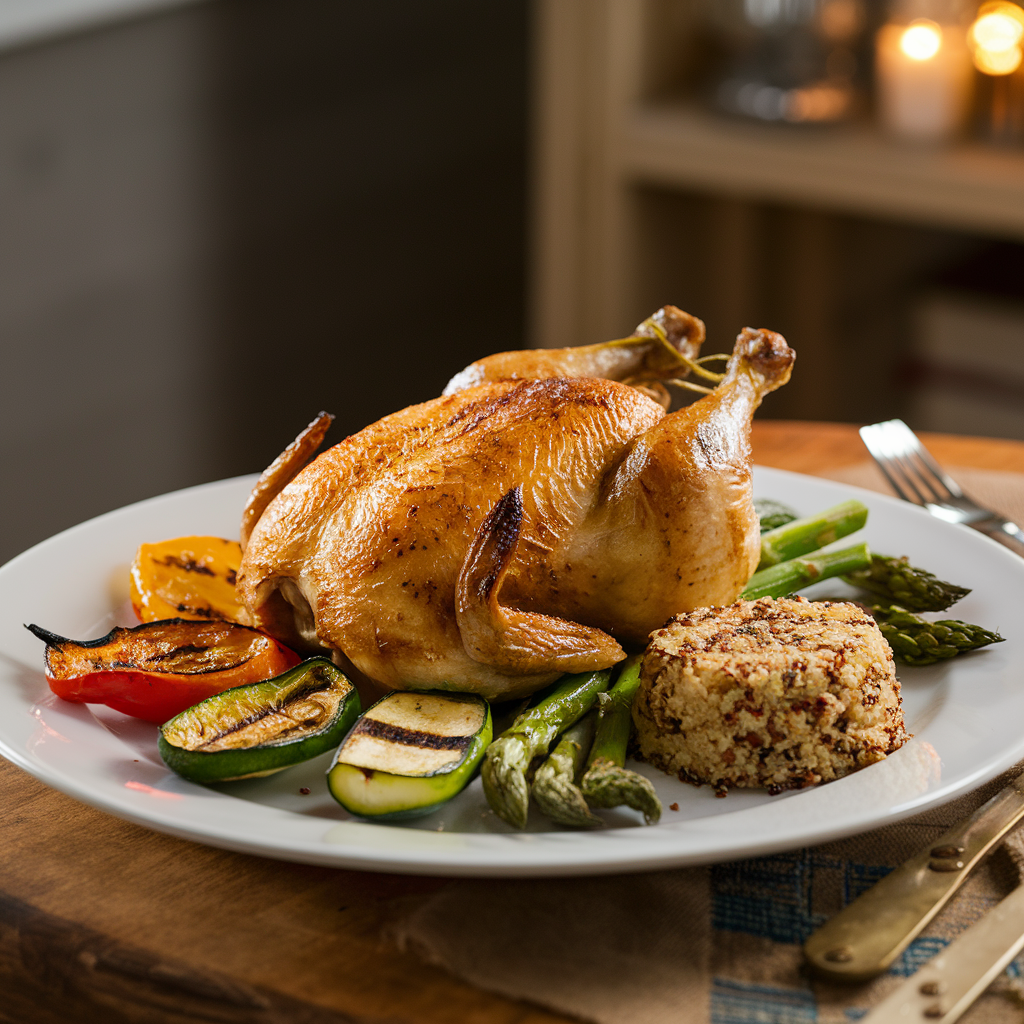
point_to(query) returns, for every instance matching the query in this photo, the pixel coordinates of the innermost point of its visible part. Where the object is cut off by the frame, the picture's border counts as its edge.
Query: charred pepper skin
(157, 670)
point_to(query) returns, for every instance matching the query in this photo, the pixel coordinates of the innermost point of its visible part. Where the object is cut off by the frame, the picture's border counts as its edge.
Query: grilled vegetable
(771, 514)
(410, 753)
(895, 579)
(920, 642)
(261, 728)
(508, 758)
(157, 670)
(554, 786)
(189, 578)
(607, 782)
(802, 536)
(789, 577)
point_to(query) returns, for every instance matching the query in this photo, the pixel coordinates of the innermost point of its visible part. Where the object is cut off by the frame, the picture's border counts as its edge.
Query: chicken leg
(658, 349)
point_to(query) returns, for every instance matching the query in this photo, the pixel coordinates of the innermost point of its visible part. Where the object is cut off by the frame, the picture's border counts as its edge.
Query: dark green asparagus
(554, 786)
(802, 536)
(919, 642)
(531, 735)
(607, 783)
(788, 577)
(895, 579)
(771, 513)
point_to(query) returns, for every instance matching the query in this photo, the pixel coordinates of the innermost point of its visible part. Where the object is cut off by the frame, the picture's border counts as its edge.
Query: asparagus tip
(608, 785)
(562, 801)
(504, 781)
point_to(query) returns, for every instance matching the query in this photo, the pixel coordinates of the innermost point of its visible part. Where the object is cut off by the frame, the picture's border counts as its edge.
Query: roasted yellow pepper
(186, 578)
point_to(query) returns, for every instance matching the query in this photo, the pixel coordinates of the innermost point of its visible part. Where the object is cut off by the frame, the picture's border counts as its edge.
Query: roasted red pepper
(157, 670)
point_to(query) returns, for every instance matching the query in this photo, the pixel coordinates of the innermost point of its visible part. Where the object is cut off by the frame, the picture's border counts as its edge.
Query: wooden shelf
(850, 169)
(604, 249)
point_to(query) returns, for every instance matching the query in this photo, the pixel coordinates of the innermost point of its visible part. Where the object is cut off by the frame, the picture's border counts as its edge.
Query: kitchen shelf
(850, 169)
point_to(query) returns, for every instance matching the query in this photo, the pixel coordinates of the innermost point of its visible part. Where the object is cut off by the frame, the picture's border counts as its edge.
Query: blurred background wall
(218, 218)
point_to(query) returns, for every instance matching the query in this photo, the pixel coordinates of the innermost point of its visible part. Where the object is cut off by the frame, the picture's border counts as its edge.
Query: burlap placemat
(719, 944)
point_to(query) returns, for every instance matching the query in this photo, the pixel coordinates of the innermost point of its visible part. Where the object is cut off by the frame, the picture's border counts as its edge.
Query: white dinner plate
(967, 717)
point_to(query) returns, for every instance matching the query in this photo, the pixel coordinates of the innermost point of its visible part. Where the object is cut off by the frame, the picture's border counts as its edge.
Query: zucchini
(261, 728)
(410, 753)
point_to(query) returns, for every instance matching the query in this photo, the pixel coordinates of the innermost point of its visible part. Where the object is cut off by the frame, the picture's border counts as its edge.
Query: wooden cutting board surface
(102, 920)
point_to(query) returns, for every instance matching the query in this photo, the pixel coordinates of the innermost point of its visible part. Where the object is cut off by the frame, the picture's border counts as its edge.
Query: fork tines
(914, 475)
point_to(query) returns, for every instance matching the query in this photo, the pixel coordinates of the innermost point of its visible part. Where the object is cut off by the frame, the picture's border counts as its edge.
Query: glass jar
(792, 61)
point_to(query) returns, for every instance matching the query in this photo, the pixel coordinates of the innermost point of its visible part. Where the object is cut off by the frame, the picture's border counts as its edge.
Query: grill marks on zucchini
(262, 728)
(407, 733)
(305, 708)
(410, 737)
(410, 753)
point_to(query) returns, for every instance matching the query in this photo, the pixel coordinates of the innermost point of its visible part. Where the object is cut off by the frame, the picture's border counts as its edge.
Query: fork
(916, 477)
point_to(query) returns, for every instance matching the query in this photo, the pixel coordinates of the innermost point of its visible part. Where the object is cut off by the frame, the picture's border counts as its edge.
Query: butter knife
(950, 982)
(866, 936)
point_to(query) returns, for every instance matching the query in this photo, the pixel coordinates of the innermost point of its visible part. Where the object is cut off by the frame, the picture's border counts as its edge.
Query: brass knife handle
(866, 936)
(949, 983)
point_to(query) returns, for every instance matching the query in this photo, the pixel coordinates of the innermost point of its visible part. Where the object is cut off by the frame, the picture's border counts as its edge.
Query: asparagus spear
(508, 757)
(771, 514)
(919, 642)
(607, 783)
(897, 580)
(787, 577)
(805, 535)
(554, 785)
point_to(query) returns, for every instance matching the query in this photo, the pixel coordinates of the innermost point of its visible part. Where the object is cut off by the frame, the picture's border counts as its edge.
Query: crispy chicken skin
(515, 529)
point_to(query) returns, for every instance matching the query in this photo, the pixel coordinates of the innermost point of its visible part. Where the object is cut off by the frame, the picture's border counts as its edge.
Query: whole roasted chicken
(539, 515)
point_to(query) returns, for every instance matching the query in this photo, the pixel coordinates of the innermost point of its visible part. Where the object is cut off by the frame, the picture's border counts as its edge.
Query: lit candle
(997, 45)
(923, 73)
(996, 36)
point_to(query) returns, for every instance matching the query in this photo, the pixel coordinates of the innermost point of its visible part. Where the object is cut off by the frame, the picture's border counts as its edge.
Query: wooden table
(101, 920)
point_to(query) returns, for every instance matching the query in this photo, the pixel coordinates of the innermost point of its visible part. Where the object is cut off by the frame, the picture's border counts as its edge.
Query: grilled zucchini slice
(410, 753)
(261, 728)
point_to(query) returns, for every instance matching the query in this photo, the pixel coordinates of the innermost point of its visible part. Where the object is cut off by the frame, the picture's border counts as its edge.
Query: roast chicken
(541, 516)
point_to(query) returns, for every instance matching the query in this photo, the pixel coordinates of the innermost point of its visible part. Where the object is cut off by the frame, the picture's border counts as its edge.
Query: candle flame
(921, 39)
(996, 37)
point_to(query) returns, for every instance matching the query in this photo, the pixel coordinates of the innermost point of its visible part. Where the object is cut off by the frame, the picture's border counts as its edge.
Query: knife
(950, 982)
(866, 936)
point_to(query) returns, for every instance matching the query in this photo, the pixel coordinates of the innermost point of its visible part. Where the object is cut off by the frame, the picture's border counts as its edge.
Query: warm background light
(995, 38)
(921, 39)
(924, 77)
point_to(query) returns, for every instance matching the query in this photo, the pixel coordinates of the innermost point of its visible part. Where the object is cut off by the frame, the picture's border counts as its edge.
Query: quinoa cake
(775, 693)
